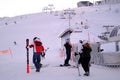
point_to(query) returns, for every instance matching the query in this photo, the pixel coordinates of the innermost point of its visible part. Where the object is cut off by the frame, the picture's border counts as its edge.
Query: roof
(69, 30)
(84, 3)
(111, 39)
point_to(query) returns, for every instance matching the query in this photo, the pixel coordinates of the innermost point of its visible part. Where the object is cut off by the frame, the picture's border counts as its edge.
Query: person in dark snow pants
(68, 47)
(38, 50)
(85, 58)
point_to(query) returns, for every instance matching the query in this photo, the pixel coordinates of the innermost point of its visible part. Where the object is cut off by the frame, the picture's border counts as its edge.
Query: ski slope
(48, 27)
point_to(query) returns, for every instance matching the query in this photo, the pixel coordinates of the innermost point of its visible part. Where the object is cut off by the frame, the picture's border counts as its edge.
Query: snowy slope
(48, 27)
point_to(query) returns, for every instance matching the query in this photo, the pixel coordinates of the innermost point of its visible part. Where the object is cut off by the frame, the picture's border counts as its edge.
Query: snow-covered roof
(67, 31)
(84, 3)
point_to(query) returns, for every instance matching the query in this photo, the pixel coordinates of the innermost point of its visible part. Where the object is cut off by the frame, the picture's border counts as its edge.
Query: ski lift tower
(69, 13)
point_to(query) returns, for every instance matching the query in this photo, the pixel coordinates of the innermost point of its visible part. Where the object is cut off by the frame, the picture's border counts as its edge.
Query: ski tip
(61, 65)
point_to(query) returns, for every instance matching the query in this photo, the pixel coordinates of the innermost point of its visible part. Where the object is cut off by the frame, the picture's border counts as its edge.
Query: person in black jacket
(68, 47)
(85, 58)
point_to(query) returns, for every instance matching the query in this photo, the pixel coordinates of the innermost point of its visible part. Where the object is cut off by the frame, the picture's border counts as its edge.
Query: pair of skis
(27, 66)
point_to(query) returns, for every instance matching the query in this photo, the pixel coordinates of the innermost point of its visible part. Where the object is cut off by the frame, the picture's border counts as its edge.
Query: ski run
(48, 27)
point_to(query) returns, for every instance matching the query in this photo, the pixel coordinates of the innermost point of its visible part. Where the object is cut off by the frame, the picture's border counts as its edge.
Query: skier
(68, 47)
(15, 43)
(77, 55)
(80, 47)
(85, 58)
(38, 50)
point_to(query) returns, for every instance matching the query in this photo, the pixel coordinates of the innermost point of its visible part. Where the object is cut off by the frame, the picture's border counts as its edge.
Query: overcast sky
(11, 8)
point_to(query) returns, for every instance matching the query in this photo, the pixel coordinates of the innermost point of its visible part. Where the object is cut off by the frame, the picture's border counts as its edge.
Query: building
(110, 1)
(65, 35)
(100, 55)
(84, 3)
(98, 2)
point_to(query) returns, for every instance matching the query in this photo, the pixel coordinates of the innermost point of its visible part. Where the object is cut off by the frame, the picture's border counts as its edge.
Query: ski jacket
(68, 47)
(86, 51)
(80, 47)
(37, 46)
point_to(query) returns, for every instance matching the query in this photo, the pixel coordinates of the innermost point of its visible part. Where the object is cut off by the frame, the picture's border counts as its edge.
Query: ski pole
(78, 69)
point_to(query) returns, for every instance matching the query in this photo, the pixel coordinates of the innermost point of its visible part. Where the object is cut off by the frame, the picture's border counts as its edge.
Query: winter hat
(80, 41)
(34, 38)
(85, 41)
(38, 39)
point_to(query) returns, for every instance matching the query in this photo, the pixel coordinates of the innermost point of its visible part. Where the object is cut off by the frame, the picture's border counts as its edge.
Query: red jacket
(37, 46)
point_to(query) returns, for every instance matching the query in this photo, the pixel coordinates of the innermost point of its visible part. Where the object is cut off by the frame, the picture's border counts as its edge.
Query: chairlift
(85, 27)
(56, 13)
(102, 37)
(62, 16)
(77, 30)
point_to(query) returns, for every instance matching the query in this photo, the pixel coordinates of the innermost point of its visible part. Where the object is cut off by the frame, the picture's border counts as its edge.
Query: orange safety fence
(5, 51)
(60, 53)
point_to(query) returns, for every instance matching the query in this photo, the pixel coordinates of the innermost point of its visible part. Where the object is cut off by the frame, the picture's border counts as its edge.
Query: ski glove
(75, 54)
(43, 54)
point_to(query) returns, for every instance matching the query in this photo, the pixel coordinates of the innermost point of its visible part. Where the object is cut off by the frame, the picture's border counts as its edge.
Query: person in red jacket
(38, 50)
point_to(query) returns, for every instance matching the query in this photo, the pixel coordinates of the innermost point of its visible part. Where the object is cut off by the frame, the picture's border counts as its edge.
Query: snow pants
(68, 56)
(37, 60)
(85, 62)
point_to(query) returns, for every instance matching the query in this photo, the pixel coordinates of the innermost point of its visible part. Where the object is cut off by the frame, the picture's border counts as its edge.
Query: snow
(48, 27)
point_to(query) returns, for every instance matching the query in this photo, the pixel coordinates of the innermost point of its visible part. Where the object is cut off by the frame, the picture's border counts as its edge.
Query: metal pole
(69, 12)
(69, 22)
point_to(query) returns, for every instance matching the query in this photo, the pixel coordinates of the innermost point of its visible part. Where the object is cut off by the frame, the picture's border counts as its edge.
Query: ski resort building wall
(110, 1)
(109, 58)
